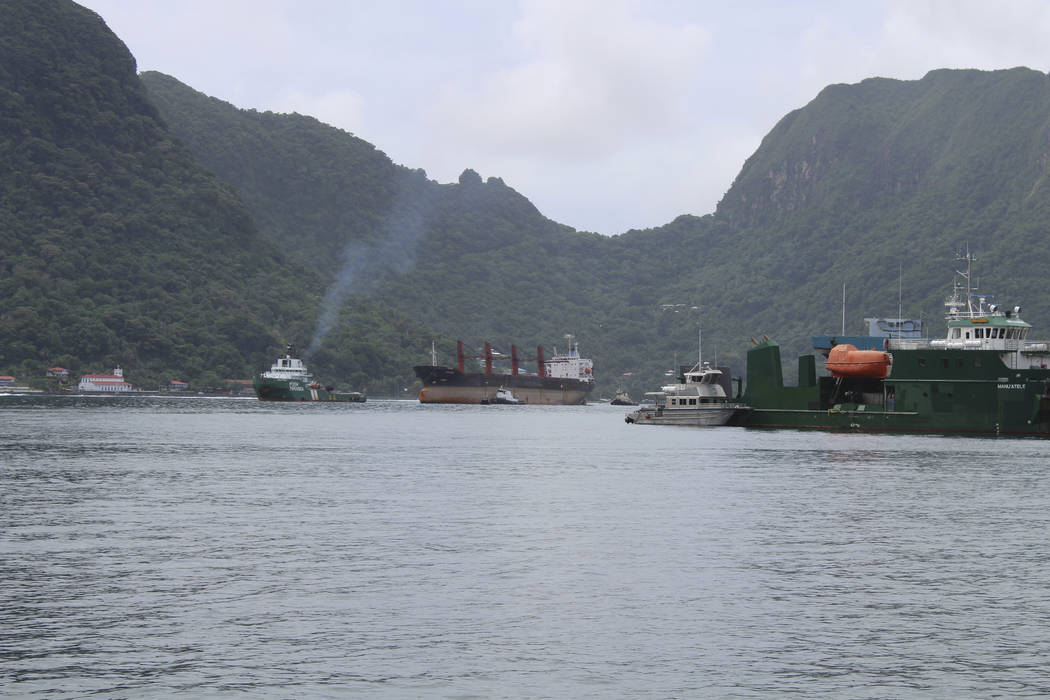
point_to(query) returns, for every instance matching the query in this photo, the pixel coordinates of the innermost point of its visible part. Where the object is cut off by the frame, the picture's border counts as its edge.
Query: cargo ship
(984, 377)
(563, 379)
(289, 380)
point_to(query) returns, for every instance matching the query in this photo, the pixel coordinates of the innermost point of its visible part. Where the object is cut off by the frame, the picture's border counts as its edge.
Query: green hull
(928, 390)
(290, 390)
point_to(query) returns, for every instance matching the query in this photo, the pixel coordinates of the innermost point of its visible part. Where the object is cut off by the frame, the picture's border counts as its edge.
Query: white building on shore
(105, 382)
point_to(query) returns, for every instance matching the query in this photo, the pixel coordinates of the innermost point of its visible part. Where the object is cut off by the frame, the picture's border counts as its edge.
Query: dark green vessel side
(929, 390)
(284, 390)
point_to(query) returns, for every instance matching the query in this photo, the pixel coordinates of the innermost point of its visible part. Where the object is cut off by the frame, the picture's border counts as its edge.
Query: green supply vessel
(985, 377)
(289, 380)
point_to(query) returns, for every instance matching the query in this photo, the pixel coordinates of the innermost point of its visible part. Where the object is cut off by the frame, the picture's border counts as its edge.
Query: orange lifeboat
(848, 361)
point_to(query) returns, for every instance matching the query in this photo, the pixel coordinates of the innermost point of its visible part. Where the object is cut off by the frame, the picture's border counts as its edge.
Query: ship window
(944, 363)
(967, 335)
(956, 332)
(692, 402)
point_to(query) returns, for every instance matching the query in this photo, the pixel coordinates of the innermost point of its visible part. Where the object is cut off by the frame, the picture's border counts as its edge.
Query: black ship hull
(448, 385)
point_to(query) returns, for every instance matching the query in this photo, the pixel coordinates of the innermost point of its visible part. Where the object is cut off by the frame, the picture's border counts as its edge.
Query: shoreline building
(110, 383)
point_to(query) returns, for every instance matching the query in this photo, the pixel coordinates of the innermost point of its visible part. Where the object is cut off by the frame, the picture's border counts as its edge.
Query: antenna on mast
(843, 309)
(900, 297)
(970, 288)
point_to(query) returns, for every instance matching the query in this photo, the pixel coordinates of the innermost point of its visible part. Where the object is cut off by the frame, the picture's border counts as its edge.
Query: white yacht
(699, 399)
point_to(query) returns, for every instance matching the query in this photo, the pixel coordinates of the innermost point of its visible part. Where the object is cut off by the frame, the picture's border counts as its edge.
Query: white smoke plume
(365, 265)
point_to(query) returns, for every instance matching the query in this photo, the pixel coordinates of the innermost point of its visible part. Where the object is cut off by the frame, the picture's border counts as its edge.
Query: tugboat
(984, 377)
(622, 398)
(698, 399)
(289, 380)
(503, 396)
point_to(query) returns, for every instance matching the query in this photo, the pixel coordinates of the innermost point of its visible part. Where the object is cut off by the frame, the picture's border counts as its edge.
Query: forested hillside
(181, 237)
(876, 186)
(116, 245)
(474, 259)
(886, 176)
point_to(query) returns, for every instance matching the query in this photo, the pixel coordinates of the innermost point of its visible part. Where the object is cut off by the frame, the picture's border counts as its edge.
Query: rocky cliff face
(979, 135)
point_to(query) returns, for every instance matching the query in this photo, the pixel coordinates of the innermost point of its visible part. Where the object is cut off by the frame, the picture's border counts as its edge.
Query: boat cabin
(288, 367)
(974, 324)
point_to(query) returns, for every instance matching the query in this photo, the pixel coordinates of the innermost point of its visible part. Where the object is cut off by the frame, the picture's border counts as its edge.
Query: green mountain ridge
(431, 250)
(116, 246)
(876, 186)
(193, 244)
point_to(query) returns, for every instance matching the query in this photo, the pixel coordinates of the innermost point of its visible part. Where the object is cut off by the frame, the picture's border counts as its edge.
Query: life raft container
(848, 361)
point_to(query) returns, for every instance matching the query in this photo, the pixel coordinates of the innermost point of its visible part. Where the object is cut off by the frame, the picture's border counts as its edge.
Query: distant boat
(622, 398)
(289, 380)
(503, 396)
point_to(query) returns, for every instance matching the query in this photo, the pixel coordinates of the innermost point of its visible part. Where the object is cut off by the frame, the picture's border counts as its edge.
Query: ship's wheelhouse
(973, 332)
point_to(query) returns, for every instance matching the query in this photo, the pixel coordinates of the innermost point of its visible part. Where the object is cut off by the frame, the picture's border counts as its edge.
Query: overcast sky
(607, 114)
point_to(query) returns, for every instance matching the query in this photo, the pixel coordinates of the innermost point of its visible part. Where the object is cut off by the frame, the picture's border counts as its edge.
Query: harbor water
(194, 547)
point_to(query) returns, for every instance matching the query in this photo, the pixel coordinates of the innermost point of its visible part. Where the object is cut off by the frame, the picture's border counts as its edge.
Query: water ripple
(160, 547)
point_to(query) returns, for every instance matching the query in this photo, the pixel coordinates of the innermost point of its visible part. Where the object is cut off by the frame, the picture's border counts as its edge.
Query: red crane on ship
(490, 356)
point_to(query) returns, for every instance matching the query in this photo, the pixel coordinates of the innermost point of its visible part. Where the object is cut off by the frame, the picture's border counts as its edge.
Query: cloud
(906, 39)
(607, 115)
(966, 34)
(590, 76)
(340, 108)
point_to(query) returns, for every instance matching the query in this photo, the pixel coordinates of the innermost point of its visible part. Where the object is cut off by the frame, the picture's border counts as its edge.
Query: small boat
(289, 380)
(622, 398)
(698, 399)
(502, 396)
